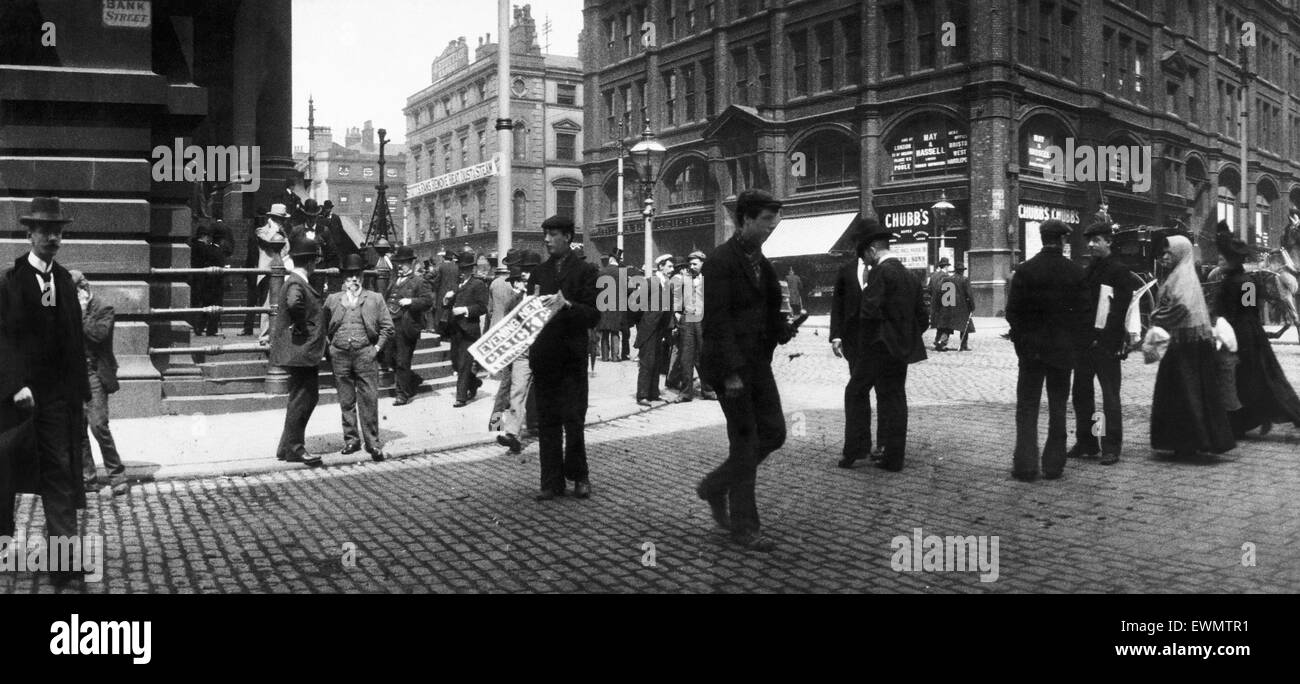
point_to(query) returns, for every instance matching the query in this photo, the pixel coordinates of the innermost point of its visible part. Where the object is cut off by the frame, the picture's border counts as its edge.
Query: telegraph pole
(505, 136)
(1244, 232)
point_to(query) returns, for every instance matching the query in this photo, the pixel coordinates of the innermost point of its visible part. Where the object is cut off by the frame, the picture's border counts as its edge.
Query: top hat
(304, 244)
(44, 210)
(352, 263)
(662, 258)
(278, 210)
(944, 262)
(403, 253)
(310, 207)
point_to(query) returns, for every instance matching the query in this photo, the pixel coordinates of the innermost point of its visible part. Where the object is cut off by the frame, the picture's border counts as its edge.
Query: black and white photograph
(670, 297)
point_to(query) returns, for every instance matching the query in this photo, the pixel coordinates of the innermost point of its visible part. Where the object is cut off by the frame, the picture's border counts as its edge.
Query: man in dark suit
(408, 298)
(846, 343)
(43, 380)
(964, 294)
(469, 304)
(447, 277)
(653, 317)
(205, 289)
(101, 373)
(1046, 310)
(357, 326)
(893, 317)
(558, 360)
(742, 325)
(297, 346)
(339, 238)
(1102, 349)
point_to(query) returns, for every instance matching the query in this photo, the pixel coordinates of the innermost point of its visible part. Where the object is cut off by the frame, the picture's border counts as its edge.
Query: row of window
(565, 94)
(437, 220)
(566, 149)
(345, 199)
(345, 170)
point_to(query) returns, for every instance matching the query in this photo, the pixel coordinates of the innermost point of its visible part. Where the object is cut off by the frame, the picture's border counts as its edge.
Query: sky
(361, 60)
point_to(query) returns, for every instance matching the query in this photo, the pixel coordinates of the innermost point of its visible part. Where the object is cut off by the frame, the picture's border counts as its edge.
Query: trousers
(1029, 394)
(876, 369)
(54, 453)
(463, 363)
(561, 421)
(755, 429)
(405, 381)
(356, 374)
(1105, 367)
(96, 412)
(521, 383)
(304, 392)
(647, 374)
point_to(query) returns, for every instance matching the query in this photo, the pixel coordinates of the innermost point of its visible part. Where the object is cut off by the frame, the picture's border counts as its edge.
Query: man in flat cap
(42, 379)
(1047, 311)
(297, 345)
(1105, 344)
(97, 323)
(558, 360)
(653, 318)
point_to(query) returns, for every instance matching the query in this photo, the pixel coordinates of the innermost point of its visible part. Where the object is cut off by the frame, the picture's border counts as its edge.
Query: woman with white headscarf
(1188, 414)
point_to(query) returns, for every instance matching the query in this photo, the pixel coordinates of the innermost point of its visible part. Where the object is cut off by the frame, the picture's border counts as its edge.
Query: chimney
(523, 35)
(353, 139)
(368, 138)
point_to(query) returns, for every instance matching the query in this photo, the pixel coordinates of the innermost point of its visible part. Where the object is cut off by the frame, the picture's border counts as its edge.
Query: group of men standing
(669, 328)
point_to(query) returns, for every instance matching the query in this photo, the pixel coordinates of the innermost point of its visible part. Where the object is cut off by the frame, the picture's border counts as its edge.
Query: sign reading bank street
(128, 13)
(468, 174)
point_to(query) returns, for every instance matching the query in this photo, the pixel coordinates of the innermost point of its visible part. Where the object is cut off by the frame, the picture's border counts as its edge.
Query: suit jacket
(298, 330)
(846, 306)
(339, 238)
(409, 320)
(1047, 309)
(499, 295)
(325, 242)
(743, 322)
(654, 317)
(473, 295)
(374, 316)
(97, 327)
(951, 302)
(893, 312)
(564, 339)
(1109, 271)
(795, 285)
(20, 469)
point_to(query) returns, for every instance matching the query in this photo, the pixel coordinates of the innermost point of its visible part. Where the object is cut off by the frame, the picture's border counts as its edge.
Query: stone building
(347, 175)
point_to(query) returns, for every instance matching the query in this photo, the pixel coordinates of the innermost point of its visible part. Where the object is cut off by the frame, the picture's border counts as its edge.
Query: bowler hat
(868, 230)
(1053, 228)
(352, 263)
(680, 262)
(959, 269)
(512, 257)
(403, 253)
(310, 207)
(44, 210)
(466, 259)
(328, 204)
(304, 245)
(530, 259)
(944, 262)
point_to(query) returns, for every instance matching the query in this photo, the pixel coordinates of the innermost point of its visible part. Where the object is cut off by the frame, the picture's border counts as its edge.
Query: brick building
(889, 107)
(452, 143)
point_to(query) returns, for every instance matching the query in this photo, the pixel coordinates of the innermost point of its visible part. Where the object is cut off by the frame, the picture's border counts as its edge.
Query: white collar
(37, 264)
(301, 274)
(887, 257)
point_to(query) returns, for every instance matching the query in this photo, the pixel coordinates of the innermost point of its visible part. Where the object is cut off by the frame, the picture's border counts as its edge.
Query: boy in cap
(519, 378)
(101, 373)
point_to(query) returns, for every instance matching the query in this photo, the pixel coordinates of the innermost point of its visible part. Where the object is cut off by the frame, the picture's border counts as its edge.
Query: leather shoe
(350, 448)
(1109, 459)
(511, 441)
(754, 541)
(312, 461)
(717, 506)
(121, 488)
(582, 489)
(401, 401)
(887, 465)
(1077, 451)
(547, 495)
(459, 403)
(643, 402)
(378, 455)
(1053, 476)
(1024, 477)
(847, 462)
(710, 396)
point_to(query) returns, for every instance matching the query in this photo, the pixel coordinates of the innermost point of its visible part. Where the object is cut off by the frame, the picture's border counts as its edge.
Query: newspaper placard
(512, 336)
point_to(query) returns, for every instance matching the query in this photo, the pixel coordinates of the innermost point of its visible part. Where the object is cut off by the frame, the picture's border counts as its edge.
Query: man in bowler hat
(357, 326)
(846, 343)
(297, 346)
(42, 379)
(558, 359)
(1047, 311)
(408, 297)
(469, 304)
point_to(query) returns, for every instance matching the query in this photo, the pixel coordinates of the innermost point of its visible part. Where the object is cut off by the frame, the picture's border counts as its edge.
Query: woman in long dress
(1266, 396)
(1187, 412)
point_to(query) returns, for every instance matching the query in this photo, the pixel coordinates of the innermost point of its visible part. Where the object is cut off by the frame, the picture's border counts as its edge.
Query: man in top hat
(654, 322)
(1104, 346)
(893, 317)
(408, 297)
(846, 343)
(742, 325)
(469, 303)
(43, 380)
(357, 327)
(519, 377)
(272, 245)
(1047, 311)
(205, 289)
(558, 360)
(101, 372)
(951, 304)
(297, 346)
(312, 220)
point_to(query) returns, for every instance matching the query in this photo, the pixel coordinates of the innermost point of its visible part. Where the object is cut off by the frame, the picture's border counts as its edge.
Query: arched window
(521, 140)
(690, 184)
(825, 160)
(1265, 199)
(631, 194)
(1226, 203)
(520, 209)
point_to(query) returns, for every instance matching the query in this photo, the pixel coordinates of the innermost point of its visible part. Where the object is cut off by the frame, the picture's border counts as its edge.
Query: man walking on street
(297, 346)
(1105, 344)
(469, 303)
(1045, 309)
(408, 297)
(357, 326)
(43, 380)
(964, 294)
(742, 325)
(893, 319)
(795, 286)
(558, 360)
(950, 307)
(101, 373)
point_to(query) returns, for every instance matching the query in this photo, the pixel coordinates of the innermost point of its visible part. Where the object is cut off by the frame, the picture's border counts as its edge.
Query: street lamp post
(943, 205)
(648, 152)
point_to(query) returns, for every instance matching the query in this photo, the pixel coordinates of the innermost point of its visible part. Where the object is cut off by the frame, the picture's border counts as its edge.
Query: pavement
(462, 519)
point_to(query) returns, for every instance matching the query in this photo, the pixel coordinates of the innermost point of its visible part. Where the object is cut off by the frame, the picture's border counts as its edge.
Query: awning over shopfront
(807, 235)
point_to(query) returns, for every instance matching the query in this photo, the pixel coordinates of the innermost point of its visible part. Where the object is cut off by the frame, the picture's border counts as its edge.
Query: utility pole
(311, 145)
(1244, 232)
(505, 136)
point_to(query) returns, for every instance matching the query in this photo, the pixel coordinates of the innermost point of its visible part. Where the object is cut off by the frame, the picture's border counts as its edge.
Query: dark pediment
(735, 120)
(1173, 62)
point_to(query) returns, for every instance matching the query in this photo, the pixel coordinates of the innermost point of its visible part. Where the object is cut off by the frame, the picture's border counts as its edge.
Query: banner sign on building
(468, 174)
(128, 13)
(511, 337)
(930, 151)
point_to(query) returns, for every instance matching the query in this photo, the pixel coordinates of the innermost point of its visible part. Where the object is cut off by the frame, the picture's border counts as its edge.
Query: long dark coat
(564, 339)
(743, 322)
(1048, 309)
(893, 312)
(1262, 387)
(951, 302)
(20, 469)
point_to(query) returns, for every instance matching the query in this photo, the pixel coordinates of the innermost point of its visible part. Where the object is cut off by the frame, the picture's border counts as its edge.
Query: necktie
(47, 288)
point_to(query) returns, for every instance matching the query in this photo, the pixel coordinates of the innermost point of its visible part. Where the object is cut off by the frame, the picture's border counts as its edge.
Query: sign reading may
(128, 13)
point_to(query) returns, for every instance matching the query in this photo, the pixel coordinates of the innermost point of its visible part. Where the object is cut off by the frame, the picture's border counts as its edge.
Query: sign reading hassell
(468, 174)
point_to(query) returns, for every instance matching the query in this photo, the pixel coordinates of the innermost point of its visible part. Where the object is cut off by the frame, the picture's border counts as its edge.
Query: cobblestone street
(465, 520)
